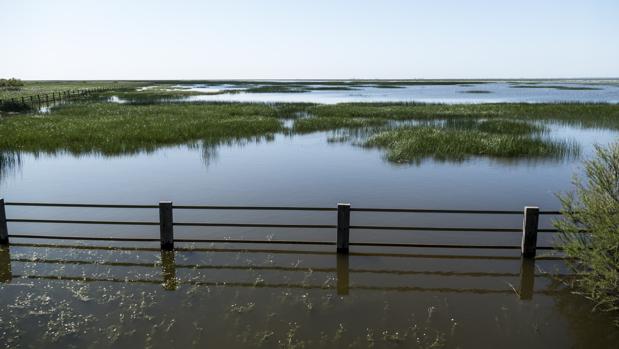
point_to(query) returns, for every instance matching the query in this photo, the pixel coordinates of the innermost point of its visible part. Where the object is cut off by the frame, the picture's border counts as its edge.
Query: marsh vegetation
(145, 122)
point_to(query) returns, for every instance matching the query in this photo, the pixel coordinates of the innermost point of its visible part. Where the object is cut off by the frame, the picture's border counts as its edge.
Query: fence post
(4, 230)
(343, 227)
(343, 273)
(166, 221)
(529, 231)
(527, 278)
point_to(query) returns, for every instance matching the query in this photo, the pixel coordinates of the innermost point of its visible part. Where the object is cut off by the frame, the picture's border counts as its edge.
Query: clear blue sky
(191, 39)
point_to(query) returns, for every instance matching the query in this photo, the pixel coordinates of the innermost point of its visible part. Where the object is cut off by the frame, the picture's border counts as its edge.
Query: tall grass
(444, 131)
(117, 129)
(600, 115)
(459, 141)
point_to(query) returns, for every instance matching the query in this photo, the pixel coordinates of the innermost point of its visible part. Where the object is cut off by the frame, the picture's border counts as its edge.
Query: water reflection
(252, 297)
(9, 162)
(6, 274)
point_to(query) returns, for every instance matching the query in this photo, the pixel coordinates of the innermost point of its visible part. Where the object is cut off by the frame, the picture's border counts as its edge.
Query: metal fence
(342, 226)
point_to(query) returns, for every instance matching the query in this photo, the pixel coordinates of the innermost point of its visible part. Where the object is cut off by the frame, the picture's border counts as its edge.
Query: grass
(444, 131)
(595, 115)
(31, 88)
(413, 144)
(118, 129)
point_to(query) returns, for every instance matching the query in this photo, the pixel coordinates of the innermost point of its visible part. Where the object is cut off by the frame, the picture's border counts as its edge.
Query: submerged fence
(528, 247)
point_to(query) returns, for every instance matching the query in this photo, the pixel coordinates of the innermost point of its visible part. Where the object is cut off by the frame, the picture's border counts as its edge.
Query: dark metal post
(343, 227)
(166, 225)
(4, 230)
(529, 231)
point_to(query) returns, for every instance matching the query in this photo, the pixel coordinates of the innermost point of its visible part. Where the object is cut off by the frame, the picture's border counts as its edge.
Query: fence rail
(528, 246)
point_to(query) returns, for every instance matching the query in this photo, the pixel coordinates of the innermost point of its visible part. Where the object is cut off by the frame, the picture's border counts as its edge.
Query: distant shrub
(11, 84)
(11, 106)
(594, 207)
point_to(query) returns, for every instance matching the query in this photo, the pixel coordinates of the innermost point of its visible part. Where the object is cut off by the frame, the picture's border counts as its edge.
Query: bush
(14, 106)
(11, 84)
(594, 207)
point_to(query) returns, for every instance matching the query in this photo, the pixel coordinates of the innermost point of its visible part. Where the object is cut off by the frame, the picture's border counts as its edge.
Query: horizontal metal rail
(85, 238)
(45, 204)
(62, 221)
(373, 227)
(254, 208)
(257, 225)
(280, 208)
(418, 210)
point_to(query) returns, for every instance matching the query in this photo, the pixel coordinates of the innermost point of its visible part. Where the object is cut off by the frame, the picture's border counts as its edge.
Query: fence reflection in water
(170, 280)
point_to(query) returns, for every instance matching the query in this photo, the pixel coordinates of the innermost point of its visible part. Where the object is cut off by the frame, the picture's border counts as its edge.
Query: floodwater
(491, 92)
(301, 296)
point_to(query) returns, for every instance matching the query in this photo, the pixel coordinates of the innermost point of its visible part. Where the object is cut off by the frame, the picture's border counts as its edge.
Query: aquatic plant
(411, 144)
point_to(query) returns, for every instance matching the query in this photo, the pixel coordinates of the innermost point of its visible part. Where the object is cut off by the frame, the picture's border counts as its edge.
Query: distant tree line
(11, 84)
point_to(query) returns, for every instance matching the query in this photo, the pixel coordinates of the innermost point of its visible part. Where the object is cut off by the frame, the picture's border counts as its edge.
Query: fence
(53, 97)
(166, 223)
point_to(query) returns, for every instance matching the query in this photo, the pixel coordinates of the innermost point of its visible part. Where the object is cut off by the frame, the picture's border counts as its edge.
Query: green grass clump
(510, 127)
(446, 143)
(118, 129)
(594, 208)
(307, 125)
(599, 115)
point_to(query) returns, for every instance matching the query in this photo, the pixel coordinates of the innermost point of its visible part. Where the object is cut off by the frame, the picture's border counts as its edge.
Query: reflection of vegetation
(586, 329)
(594, 207)
(455, 141)
(14, 106)
(8, 162)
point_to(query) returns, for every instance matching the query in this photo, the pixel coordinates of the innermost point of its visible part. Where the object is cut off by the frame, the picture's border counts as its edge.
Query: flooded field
(72, 293)
(473, 92)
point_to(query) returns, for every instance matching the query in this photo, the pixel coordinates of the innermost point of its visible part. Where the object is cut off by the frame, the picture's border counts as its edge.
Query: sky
(299, 39)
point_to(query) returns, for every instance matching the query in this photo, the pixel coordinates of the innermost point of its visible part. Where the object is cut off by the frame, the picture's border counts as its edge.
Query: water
(267, 295)
(493, 92)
